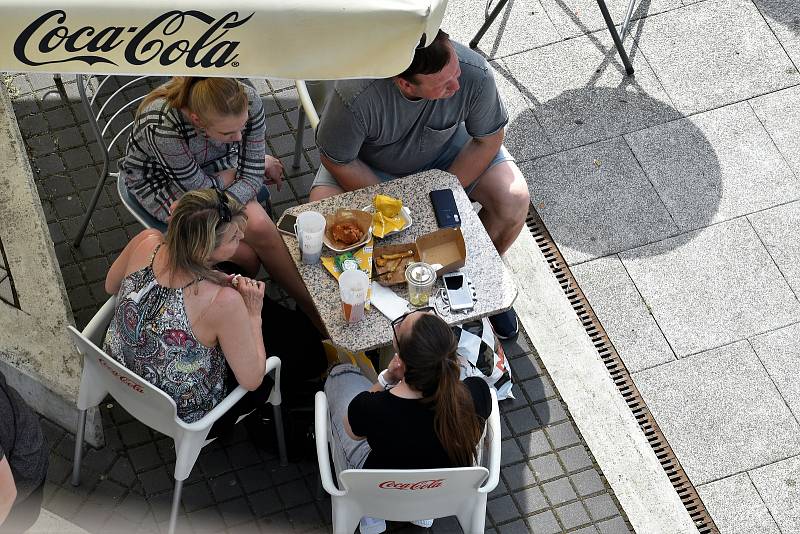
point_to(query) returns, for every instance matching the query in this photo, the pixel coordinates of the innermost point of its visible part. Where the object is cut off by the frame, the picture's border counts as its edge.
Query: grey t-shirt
(21, 441)
(373, 121)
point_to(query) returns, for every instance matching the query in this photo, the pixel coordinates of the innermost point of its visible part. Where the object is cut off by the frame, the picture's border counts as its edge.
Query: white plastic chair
(406, 495)
(103, 375)
(312, 96)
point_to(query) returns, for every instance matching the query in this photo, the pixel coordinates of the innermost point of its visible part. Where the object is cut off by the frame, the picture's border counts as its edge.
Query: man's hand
(474, 158)
(273, 172)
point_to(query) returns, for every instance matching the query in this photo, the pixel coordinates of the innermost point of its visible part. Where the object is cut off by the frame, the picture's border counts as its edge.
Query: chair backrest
(103, 375)
(139, 213)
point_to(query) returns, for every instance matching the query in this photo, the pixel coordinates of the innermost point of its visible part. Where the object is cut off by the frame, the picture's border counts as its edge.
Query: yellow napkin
(364, 258)
(386, 218)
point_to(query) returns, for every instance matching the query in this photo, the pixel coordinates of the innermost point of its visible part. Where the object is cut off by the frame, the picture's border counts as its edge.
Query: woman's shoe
(370, 525)
(424, 523)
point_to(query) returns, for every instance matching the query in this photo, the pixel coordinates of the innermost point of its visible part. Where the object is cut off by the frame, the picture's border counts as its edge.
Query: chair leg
(276, 409)
(487, 23)
(78, 455)
(176, 502)
(298, 140)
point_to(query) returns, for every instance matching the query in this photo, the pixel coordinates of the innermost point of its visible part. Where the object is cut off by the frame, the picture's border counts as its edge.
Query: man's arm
(350, 176)
(8, 489)
(475, 157)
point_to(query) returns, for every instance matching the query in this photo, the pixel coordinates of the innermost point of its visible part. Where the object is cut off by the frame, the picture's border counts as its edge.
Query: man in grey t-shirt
(443, 112)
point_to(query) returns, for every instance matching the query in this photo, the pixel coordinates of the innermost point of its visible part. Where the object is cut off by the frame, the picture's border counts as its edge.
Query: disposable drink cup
(353, 286)
(310, 227)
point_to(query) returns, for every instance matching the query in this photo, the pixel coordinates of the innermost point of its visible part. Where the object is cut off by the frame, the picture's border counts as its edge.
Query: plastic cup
(353, 287)
(309, 228)
(420, 278)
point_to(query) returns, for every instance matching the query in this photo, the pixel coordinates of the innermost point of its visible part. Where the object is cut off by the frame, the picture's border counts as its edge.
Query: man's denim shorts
(443, 162)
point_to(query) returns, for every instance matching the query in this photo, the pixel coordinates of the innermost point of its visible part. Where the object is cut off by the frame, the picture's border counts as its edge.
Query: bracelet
(382, 381)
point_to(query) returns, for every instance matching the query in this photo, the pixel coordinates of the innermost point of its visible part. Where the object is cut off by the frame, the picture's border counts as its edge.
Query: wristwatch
(382, 381)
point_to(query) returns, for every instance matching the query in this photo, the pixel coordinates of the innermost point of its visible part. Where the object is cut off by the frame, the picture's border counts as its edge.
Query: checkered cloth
(481, 354)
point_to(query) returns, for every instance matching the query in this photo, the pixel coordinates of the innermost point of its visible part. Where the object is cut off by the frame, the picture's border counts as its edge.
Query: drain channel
(620, 375)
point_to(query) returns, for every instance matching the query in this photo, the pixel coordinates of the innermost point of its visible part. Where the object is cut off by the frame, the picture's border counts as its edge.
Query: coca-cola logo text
(157, 41)
(122, 378)
(419, 485)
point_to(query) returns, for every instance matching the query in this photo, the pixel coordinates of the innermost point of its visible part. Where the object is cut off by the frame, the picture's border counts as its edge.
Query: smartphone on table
(445, 209)
(458, 291)
(286, 224)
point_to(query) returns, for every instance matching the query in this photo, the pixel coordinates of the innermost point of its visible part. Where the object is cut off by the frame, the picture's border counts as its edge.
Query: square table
(493, 283)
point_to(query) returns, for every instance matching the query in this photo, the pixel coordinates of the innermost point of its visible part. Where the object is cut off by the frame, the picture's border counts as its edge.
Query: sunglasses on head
(396, 322)
(225, 215)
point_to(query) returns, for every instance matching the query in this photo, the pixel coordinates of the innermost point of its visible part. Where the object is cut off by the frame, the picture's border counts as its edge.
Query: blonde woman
(194, 133)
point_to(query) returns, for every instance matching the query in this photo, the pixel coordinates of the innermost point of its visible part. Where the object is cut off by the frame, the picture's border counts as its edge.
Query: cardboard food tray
(384, 274)
(361, 219)
(444, 249)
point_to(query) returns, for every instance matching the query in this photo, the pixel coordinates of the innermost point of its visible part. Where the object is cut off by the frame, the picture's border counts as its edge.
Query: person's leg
(246, 258)
(263, 236)
(503, 195)
(324, 185)
(24, 513)
(344, 382)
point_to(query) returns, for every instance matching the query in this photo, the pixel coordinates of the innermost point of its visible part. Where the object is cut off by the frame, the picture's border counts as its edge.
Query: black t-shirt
(400, 431)
(21, 441)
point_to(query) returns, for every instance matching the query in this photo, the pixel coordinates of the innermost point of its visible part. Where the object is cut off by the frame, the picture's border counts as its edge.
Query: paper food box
(443, 249)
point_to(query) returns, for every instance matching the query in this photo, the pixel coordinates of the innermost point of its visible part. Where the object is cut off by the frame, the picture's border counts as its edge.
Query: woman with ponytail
(195, 133)
(419, 415)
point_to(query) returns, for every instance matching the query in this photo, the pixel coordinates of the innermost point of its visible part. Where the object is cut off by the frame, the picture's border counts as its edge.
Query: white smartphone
(286, 224)
(458, 291)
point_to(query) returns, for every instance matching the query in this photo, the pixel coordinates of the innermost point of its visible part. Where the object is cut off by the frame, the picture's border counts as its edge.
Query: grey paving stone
(575, 458)
(225, 486)
(522, 421)
(518, 526)
(779, 230)
(702, 67)
(779, 487)
(573, 515)
(779, 351)
(531, 500)
(714, 166)
(563, 435)
(711, 287)
(502, 509)
(575, 104)
(547, 467)
(587, 482)
(522, 25)
(144, 457)
(613, 526)
(559, 491)
(550, 411)
(544, 523)
(779, 112)
(622, 312)
(601, 507)
(294, 493)
(783, 17)
(518, 476)
(539, 389)
(157, 480)
(510, 452)
(236, 512)
(735, 506)
(576, 17)
(265, 502)
(595, 200)
(720, 412)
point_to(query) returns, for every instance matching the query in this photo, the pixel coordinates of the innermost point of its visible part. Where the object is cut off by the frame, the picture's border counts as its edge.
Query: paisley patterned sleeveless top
(150, 334)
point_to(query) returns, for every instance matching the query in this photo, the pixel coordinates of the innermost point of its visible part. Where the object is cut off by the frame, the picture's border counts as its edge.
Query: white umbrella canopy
(293, 39)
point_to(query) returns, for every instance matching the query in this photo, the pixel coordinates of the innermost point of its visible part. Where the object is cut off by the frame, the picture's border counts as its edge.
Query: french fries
(398, 256)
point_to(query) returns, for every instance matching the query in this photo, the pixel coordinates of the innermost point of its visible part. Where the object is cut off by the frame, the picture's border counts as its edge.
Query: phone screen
(458, 293)
(286, 224)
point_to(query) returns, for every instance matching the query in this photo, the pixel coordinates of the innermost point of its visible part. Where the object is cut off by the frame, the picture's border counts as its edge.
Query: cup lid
(420, 273)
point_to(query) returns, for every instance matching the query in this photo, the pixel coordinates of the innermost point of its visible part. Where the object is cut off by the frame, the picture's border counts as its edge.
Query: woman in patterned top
(178, 321)
(194, 133)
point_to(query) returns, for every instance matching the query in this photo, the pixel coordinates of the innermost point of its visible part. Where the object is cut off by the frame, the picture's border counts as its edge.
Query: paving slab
(779, 112)
(623, 314)
(779, 351)
(712, 287)
(779, 486)
(522, 25)
(714, 166)
(783, 17)
(577, 17)
(779, 230)
(581, 95)
(595, 201)
(702, 67)
(720, 412)
(736, 506)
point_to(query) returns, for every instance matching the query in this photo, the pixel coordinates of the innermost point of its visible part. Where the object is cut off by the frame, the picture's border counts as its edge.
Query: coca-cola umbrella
(293, 39)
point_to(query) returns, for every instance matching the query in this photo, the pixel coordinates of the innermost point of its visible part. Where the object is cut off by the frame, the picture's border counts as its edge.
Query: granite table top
(493, 283)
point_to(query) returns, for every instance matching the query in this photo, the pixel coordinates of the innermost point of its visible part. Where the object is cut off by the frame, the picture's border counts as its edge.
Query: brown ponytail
(429, 354)
(204, 96)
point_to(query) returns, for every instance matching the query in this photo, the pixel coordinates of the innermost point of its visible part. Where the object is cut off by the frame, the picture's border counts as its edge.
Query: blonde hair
(195, 231)
(222, 97)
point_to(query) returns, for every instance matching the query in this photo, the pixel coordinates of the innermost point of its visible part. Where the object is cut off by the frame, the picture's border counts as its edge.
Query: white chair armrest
(274, 366)
(308, 105)
(494, 446)
(96, 328)
(321, 421)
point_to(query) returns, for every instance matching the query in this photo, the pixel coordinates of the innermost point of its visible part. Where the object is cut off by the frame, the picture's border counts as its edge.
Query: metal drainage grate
(621, 376)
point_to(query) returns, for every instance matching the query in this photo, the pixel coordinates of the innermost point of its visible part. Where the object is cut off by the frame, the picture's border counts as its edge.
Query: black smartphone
(286, 224)
(445, 209)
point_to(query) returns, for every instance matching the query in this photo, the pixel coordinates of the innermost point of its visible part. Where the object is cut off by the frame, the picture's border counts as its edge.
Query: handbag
(480, 353)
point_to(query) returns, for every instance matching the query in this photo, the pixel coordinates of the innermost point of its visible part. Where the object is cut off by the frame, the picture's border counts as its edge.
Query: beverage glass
(420, 278)
(309, 228)
(353, 287)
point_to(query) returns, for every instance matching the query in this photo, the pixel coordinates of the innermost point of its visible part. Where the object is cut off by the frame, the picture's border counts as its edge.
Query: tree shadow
(786, 12)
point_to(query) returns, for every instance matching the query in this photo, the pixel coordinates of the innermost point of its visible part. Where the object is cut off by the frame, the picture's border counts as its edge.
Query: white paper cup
(353, 287)
(310, 228)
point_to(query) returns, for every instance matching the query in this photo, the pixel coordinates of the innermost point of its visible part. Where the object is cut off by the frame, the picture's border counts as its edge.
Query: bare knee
(323, 191)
